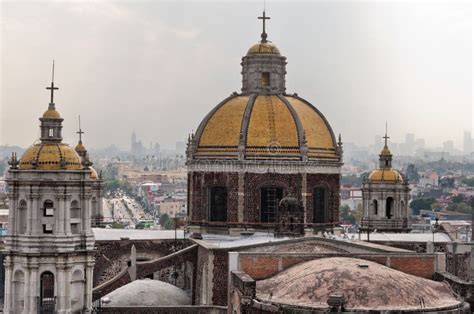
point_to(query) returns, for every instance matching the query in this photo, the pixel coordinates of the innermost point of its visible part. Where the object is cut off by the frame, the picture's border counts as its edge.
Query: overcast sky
(159, 67)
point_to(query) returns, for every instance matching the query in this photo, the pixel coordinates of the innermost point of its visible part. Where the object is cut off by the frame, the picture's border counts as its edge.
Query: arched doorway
(389, 207)
(269, 199)
(47, 298)
(320, 205)
(218, 203)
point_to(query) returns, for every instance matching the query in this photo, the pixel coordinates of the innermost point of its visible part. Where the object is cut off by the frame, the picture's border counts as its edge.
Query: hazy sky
(159, 67)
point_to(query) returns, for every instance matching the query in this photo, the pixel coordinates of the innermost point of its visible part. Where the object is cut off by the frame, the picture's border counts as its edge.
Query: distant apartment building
(429, 179)
(173, 208)
(467, 149)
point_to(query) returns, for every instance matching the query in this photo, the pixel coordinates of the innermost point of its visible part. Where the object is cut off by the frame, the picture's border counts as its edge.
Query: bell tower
(49, 249)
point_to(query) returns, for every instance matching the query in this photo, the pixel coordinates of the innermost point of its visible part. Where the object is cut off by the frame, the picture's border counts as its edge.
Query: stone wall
(182, 309)
(112, 256)
(253, 182)
(264, 265)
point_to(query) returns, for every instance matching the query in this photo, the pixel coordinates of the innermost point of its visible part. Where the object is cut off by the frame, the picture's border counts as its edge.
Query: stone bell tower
(49, 246)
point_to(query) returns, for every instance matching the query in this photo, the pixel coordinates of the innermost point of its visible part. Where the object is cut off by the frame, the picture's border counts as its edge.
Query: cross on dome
(264, 34)
(52, 88)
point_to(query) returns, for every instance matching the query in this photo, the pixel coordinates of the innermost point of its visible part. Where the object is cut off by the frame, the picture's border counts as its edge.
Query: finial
(80, 132)
(52, 88)
(263, 18)
(340, 140)
(13, 162)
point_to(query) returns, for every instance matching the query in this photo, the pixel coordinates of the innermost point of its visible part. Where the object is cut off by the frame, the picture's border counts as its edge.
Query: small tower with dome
(49, 249)
(385, 195)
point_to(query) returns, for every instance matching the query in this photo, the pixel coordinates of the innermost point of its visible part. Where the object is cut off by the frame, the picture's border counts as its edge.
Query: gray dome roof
(147, 292)
(365, 285)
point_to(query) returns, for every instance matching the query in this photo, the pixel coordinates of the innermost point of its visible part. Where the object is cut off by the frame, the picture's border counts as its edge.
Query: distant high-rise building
(467, 142)
(448, 146)
(409, 143)
(133, 143)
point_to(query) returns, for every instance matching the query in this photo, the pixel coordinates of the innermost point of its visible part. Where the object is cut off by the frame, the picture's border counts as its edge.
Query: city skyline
(123, 82)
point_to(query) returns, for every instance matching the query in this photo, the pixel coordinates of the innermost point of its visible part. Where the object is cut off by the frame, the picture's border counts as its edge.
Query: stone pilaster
(34, 287)
(241, 197)
(8, 297)
(304, 194)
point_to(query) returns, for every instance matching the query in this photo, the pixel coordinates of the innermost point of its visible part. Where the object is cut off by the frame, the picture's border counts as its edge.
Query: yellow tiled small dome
(264, 48)
(50, 156)
(386, 175)
(51, 114)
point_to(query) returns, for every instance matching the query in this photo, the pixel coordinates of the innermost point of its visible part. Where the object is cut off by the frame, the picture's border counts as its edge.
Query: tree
(166, 222)
(458, 198)
(436, 207)
(468, 181)
(421, 203)
(345, 214)
(412, 173)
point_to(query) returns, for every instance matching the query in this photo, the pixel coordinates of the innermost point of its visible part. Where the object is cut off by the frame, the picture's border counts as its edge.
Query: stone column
(8, 293)
(34, 213)
(12, 214)
(88, 285)
(29, 215)
(67, 214)
(60, 287)
(87, 214)
(27, 292)
(67, 288)
(59, 215)
(241, 197)
(34, 288)
(304, 194)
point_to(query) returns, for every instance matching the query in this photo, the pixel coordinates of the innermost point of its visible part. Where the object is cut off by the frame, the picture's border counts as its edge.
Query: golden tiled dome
(50, 156)
(385, 175)
(51, 114)
(269, 127)
(93, 173)
(264, 48)
(385, 151)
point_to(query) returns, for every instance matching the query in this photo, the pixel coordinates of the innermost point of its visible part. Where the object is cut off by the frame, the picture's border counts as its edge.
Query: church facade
(259, 146)
(49, 249)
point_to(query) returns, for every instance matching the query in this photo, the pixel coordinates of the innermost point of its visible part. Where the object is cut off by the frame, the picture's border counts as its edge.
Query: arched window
(22, 216)
(218, 203)
(75, 217)
(389, 207)
(47, 300)
(77, 288)
(18, 291)
(320, 204)
(269, 200)
(376, 207)
(48, 208)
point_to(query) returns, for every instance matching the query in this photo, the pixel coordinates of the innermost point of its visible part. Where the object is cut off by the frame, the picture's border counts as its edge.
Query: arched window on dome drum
(22, 216)
(217, 203)
(376, 207)
(389, 207)
(320, 204)
(269, 200)
(265, 79)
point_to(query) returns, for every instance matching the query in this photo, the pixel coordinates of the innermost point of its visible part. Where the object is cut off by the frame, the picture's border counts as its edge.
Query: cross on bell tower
(264, 34)
(80, 132)
(52, 88)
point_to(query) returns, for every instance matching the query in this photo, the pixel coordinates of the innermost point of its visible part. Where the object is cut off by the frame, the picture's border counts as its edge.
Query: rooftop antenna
(52, 88)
